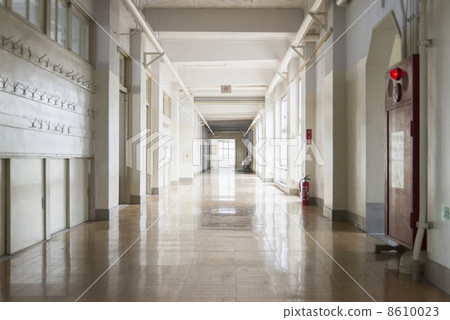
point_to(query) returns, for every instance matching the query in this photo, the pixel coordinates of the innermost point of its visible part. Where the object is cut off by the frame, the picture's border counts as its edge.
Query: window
(67, 21)
(167, 105)
(59, 22)
(80, 35)
(282, 152)
(122, 71)
(32, 10)
(227, 153)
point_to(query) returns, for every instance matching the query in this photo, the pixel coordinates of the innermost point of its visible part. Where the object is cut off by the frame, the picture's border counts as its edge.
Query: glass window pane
(53, 20)
(36, 13)
(122, 71)
(75, 34)
(62, 23)
(84, 39)
(20, 6)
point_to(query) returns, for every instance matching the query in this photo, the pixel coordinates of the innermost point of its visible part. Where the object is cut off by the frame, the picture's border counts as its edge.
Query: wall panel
(26, 198)
(58, 196)
(78, 191)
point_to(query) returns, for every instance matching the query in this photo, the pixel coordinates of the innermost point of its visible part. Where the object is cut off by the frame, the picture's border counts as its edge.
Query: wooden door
(402, 151)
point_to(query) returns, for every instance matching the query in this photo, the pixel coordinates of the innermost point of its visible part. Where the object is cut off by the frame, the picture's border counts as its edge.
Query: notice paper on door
(397, 160)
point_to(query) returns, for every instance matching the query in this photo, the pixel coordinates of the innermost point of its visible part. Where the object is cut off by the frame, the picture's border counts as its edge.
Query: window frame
(42, 27)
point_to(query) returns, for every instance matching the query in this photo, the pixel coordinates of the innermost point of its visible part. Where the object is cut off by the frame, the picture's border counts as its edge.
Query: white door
(78, 191)
(2, 209)
(26, 203)
(58, 194)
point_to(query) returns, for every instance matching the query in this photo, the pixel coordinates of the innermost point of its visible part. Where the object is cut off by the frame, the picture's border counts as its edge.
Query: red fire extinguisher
(304, 190)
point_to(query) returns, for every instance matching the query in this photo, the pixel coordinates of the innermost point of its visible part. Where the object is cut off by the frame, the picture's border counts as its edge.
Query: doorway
(123, 137)
(2, 208)
(385, 50)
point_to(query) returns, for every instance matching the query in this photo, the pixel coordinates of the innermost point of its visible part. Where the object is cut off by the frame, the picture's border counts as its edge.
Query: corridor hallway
(225, 237)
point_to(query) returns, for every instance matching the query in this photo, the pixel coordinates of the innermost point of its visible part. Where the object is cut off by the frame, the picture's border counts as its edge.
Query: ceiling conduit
(299, 37)
(137, 13)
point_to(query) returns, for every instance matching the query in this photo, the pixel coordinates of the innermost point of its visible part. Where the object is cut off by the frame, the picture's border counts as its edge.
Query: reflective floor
(226, 237)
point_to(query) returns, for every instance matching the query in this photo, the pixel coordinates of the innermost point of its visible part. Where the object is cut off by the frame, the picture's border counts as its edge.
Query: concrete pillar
(137, 170)
(106, 100)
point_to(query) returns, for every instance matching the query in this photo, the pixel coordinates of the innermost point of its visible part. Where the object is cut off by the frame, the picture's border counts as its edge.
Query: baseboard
(344, 215)
(356, 220)
(106, 214)
(189, 180)
(154, 191)
(267, 179)
(315, 201)
(138, 199)
(334, 215)
(438, 275)
(174, 183)
(286, 189)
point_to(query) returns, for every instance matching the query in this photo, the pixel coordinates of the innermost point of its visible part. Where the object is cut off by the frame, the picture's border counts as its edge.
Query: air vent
(225, 89)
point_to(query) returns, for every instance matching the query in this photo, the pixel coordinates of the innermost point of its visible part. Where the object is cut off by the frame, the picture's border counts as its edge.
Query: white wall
(439, 131)
(26, 203)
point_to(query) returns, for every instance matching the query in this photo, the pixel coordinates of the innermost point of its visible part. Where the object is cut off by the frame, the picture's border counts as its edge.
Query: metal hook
(78, 80)
(49, 125)
(29, 53)
(41, 96)
(14, 44)
(33, 122)
(4, 40)
(55, 67)
(33, 93)
(75, 75)
(24, 90)
(69, 73)
(4, 82)
(15, 85)
(69, 128)
(41, 58)
(40, 123)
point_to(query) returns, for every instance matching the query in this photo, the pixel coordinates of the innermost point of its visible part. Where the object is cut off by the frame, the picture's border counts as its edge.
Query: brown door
(402, 152)
(400, 177)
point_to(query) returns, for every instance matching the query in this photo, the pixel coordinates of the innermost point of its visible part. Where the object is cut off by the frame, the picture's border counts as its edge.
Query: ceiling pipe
(137, 13)
(299, 37)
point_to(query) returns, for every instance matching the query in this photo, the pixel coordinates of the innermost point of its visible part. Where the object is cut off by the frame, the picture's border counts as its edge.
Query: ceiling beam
(218, 20)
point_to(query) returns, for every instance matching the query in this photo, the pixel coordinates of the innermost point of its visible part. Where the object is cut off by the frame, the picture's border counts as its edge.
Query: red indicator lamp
(396, 73)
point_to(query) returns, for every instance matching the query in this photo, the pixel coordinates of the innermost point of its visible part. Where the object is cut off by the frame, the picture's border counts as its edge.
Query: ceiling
(241, 45)
(221, 3)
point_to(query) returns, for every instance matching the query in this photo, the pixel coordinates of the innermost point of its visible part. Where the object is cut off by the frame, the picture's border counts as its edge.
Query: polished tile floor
(226, 237)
